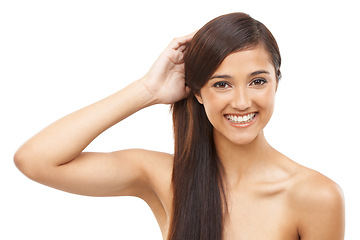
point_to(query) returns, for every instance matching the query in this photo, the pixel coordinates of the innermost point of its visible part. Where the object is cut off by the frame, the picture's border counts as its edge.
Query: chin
(242, 140)
(238, 139)
(231, 136)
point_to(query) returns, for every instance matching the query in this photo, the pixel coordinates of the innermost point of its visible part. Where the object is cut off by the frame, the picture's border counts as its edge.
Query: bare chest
(260, 211)
(253, 216)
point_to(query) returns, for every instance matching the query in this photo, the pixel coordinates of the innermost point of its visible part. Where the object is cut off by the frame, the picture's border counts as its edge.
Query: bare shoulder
(318, 204)
(310, 187)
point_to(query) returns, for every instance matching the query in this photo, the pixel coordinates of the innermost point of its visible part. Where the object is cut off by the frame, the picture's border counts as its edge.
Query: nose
(241, 100)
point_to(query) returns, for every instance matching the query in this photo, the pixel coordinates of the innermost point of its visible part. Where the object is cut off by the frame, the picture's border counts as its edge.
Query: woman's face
(239, 97)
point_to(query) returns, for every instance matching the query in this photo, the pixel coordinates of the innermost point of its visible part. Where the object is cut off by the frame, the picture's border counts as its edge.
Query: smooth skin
(269, 196)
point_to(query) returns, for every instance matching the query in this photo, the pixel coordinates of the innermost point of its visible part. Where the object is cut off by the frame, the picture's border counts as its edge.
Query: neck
(242, 161)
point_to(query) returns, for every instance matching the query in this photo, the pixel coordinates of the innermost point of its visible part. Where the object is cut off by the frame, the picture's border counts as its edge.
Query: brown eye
(258, 82)
(221, 85)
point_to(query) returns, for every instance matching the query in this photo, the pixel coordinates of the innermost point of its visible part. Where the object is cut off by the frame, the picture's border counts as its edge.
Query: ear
(199, 98)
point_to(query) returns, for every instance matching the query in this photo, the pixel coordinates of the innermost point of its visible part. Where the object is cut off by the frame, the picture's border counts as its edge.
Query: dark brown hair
(199, 204)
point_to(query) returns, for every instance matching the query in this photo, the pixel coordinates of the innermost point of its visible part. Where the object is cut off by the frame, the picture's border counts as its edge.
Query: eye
(258, 82)
(221, 85)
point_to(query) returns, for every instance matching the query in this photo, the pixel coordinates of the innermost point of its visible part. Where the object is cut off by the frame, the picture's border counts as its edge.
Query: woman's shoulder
(317, 202)
(305, 184)
(311, 187)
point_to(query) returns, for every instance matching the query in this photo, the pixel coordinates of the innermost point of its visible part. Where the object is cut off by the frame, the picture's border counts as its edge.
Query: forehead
(249, 60)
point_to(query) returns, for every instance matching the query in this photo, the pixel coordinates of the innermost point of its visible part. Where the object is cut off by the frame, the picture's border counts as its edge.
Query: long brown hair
(199, 204)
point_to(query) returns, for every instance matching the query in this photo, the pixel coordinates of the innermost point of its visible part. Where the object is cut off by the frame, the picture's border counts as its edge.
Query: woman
(224, 180)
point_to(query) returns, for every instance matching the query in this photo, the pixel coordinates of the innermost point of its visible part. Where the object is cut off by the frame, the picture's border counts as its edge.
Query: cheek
(211, 108)
(214, 106)
(267, 101)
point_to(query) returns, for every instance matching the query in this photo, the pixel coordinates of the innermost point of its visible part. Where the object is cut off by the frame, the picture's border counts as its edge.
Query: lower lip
(243, 125)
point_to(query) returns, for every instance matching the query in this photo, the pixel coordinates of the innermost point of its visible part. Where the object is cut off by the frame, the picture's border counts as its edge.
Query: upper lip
(239, 114)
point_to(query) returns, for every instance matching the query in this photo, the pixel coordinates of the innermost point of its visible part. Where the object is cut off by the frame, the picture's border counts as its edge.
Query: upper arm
(320, 209)
(121, 173)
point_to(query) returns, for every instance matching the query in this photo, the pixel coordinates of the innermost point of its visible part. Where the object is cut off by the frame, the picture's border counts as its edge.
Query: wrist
(148, 96)
(147, 92)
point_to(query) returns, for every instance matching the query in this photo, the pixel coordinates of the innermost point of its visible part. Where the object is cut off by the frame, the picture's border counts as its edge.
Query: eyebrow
(221, 76)
(225, 76)
(259, 72)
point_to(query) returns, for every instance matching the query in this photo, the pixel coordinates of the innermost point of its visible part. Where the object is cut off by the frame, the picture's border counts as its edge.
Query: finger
(187, 38)
(176, 43)
(180, 41)
(182, 48)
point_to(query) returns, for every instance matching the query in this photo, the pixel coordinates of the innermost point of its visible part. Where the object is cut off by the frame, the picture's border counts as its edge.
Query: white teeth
(239, 119)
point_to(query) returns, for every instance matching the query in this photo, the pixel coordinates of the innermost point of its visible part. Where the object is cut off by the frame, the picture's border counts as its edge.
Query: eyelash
(226, 84)
(217, 85)
(258, 79)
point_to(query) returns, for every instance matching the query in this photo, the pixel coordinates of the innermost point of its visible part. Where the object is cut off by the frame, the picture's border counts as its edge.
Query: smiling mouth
(240, 119)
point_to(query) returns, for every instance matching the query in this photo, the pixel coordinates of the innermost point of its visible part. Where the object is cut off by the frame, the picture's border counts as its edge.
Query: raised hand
(55, 155)
(166, 78)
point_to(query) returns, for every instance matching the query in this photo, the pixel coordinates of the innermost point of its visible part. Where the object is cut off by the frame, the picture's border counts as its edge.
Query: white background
(59, 56)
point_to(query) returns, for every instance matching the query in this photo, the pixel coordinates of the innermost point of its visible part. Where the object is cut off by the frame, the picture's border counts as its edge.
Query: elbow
(26, 164)
(19, 160)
